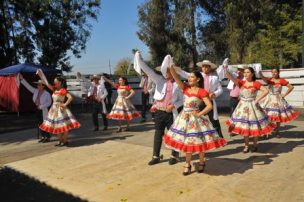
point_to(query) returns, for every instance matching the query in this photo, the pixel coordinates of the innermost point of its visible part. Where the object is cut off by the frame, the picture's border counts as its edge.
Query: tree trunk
(193, 31)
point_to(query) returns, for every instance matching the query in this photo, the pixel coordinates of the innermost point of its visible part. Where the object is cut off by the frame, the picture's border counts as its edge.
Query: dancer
(97, 94)
(191, 131)
(60, 120)
(43, 101)
(212, 85)
(275, 105)
(108, 86)
(123, 108)
(248, 118)
(168, 98)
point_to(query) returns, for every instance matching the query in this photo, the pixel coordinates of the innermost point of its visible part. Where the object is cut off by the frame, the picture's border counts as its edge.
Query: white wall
(78, 88)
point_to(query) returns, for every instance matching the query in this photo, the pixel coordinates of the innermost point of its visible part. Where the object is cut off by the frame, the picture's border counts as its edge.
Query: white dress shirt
(45, 98)
(161, 86)
(101, 94)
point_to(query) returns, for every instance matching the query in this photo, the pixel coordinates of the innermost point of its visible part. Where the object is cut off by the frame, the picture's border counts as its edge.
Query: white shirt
(101, 94)
(45, 98)
(161, 86)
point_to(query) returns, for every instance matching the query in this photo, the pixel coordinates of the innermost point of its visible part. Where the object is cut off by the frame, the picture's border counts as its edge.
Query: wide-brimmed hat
(95, 76)
(242, 67)
(39, 82)
(206, 62)
(158, 68)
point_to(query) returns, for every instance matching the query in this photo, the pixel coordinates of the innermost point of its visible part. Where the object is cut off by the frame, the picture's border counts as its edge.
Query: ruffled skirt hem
(59, 130)
(191, 148)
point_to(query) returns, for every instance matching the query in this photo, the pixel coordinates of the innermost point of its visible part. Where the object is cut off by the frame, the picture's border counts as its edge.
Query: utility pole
(110, 65)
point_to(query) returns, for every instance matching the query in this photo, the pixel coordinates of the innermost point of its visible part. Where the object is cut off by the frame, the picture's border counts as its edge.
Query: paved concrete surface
(105, 166)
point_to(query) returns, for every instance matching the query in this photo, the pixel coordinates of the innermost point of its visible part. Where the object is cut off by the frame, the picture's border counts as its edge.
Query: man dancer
(43, 101)
(108, 86)
(97, 93)
(168, 98)
(211, 85)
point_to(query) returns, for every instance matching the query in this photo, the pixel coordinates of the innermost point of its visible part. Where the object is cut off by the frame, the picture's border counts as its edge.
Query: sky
(112, 38)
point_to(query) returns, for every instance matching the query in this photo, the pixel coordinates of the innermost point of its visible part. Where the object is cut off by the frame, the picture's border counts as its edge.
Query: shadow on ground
(217, 165)
(79, 142)
(15, 186)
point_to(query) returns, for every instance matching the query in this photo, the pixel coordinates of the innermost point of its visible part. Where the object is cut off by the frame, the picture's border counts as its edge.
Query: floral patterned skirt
(59, 120)
(123, 109)
(278, 109)
(191, 134)
(248, 119)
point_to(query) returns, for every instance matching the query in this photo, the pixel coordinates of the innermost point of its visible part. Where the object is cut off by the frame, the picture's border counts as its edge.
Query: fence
(79, 88)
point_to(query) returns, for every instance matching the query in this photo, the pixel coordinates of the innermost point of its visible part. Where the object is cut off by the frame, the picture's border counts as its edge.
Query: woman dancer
(192, 131)
(275, 105)
(123, 108)
(60, 120)
(248, 119)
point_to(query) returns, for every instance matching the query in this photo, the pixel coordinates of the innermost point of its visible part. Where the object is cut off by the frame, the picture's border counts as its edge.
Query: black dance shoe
(41, 140)
(45, 140)
(201, 168)
(187, 170)
(155, 160)
(173, 160)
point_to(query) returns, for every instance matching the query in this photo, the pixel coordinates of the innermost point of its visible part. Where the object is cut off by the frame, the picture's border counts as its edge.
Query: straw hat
(206, 62)
(241, 66)
(158, 68)
(95, 76)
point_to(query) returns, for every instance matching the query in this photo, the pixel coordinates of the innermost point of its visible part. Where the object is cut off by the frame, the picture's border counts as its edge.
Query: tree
(45, 32)
(278, 42)
(153, 28)
(170, 27)
(124, 67)
(212, 32)
(245, 31)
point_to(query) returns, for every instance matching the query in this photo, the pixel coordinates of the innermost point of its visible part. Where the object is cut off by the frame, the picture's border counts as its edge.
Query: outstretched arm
(180, 84)
(26, 84)
(263, 77)
(182, 73)
(109, 81)
(229, 76)
(44, 79)
(143, 66)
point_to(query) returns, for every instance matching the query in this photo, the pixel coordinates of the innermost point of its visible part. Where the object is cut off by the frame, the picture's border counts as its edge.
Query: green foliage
(45, 32)
(124, 67)
(264, 31)
(278, 42)
(170, 27)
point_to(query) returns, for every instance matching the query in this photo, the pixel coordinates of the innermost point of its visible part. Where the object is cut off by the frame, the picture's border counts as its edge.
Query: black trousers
(234, 101)
(144, 103)
(215, 123)
(162, 120)
(108, 100)
(39, 116)
(97, 108)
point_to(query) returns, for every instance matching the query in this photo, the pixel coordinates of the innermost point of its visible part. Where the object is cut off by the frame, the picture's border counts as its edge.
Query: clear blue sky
(112, 37)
